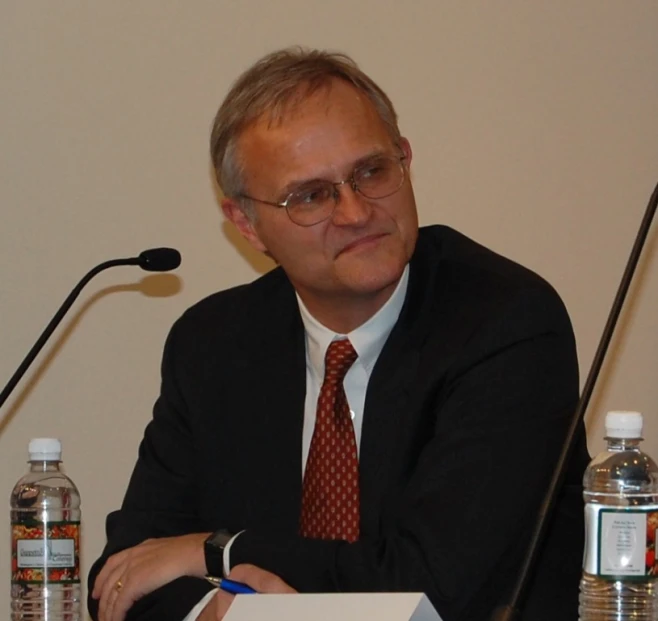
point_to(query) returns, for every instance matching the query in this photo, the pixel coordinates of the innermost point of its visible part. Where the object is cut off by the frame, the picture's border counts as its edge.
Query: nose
(352, 208)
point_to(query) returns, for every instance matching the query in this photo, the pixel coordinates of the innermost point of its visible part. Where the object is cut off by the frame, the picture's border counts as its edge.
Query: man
(418, 462)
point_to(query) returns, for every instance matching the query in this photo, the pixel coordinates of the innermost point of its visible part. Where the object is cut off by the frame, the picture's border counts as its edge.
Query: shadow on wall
(152, 286)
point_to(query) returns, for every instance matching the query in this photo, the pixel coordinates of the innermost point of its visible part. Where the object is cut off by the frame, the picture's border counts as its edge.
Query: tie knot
(339, 358)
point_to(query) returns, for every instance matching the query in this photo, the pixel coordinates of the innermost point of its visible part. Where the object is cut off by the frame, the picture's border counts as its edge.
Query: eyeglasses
(315, 201)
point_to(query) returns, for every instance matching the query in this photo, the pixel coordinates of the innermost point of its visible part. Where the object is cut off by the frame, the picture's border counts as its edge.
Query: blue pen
(235, 588)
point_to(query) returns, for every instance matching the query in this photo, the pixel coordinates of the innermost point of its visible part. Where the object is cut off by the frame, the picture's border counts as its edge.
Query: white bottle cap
(45, 449)
(620, 424)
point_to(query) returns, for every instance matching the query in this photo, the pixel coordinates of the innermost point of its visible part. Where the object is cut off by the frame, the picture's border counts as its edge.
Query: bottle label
(45, 552)
(620, 542)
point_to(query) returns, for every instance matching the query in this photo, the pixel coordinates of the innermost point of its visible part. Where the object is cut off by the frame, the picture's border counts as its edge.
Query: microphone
(159, 259)
(511, 611)
(153, 260)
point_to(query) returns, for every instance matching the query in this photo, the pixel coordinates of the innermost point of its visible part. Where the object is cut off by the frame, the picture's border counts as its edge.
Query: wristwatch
(213, 549)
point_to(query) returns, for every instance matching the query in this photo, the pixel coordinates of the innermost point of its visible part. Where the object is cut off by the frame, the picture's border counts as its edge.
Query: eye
(373, 171)
(311, 196)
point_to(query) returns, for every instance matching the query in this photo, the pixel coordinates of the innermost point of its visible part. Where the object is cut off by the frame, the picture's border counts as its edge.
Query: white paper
(333, 607)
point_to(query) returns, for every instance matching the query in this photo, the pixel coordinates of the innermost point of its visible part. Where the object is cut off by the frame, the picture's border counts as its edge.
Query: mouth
(362, 243)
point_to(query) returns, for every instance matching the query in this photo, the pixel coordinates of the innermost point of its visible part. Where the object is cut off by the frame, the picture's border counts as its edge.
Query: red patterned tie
(330, 495)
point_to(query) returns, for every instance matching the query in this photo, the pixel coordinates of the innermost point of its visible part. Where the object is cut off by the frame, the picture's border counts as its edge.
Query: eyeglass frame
(352, 183)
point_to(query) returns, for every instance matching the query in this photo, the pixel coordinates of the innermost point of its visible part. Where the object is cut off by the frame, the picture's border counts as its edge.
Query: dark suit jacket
(465, 412)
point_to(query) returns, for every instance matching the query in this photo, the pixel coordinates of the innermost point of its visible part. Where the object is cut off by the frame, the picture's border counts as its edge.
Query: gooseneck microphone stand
(511, 611)
(153, 260)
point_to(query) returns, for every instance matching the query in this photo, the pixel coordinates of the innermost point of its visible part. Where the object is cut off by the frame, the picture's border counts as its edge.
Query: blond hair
(272, 86)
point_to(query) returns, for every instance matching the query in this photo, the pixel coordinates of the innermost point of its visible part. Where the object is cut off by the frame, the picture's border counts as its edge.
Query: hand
(134, 572)
(257, 578)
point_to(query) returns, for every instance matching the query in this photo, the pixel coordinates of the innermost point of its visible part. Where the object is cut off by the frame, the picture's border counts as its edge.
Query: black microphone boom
(511, 611)
(153, 260)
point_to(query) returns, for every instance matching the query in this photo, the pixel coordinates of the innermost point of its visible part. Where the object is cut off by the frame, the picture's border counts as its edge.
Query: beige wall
(534, 127)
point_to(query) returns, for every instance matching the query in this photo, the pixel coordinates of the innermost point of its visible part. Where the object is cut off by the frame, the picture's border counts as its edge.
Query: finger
(125, 598)
(109, 608)
(113, 562)
(106, 601)
(222, 601)
(107, 570)
(135, 583)
(110, 590)
(260, 579)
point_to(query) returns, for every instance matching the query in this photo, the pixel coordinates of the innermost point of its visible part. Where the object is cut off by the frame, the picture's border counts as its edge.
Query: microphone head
(159, 259)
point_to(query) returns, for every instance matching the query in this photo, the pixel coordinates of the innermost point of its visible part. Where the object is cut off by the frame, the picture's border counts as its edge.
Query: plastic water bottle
(620, 573)
(45, 539)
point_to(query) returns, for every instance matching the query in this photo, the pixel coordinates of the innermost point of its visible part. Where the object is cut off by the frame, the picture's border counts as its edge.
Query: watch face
(213, 549)
(220, 539)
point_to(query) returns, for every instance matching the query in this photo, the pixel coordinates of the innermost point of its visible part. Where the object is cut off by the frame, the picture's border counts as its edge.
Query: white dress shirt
(368, 341)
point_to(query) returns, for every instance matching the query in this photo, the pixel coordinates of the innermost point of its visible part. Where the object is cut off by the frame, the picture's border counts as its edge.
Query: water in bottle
(45, 539)
(620, 573)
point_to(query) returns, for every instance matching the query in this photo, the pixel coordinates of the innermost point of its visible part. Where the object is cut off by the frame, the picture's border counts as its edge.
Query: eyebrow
(291, 186)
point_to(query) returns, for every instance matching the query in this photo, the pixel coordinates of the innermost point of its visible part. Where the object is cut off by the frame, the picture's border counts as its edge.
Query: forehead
(316, 133)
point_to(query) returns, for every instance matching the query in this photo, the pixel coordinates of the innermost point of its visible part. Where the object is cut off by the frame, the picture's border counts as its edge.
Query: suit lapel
(388, 408)
(383, 427)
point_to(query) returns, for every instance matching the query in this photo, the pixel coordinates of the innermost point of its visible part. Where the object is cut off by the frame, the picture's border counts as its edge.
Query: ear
(406, 150)
(235, 213)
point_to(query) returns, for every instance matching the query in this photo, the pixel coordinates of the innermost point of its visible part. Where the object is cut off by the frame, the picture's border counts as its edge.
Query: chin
(370, 280)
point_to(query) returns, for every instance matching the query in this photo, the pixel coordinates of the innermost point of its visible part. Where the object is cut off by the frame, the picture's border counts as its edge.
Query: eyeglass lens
(316, 201)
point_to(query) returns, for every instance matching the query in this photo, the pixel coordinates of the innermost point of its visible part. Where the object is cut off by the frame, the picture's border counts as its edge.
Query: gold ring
(119, 585)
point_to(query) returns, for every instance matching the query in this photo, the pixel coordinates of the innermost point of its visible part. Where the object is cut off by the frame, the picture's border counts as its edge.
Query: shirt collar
(368, 339)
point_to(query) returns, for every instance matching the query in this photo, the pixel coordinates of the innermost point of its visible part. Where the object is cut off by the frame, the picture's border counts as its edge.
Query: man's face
(359, 253)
